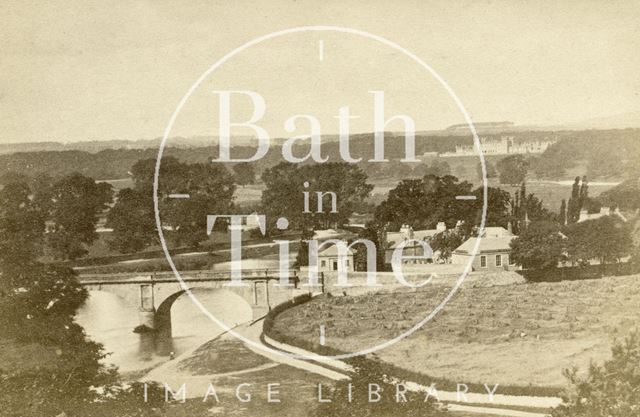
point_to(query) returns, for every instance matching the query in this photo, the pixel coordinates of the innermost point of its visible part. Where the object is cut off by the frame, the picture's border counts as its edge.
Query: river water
(110, 320)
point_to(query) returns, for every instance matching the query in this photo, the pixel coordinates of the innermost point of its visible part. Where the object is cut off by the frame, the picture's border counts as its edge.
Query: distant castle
(505, 146)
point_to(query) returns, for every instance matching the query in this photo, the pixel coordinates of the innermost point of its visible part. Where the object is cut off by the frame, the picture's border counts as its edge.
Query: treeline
(608, 154)
(57, 370)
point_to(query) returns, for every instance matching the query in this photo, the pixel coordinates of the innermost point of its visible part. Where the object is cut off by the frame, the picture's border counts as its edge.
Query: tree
(38, 303)
(302, 258)
(133, 221)
(446, 242)
(512, 169)
(210, 189)
(351, 398)
(606, 239)
(74, 205)
(489, 167)
(244, 173)
(498, 208)
(21, 225)
(563, 212)
(539, 246)
(438, 168)
(424, 203)
(376, 234)
(625, 195)
(609, 389)
(573, 207)
(285, 187)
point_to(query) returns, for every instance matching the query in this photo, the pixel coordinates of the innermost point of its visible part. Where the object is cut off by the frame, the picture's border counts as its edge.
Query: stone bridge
(154, 293)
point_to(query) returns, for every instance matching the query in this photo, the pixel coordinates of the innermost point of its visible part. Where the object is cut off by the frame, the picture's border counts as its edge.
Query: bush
(609, 390)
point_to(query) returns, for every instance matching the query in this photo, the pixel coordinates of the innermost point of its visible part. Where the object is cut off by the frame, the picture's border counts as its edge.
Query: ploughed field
(515, 334)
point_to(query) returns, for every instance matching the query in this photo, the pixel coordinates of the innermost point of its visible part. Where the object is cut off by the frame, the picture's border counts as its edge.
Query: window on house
(483, 261)
(323, 263)
(347, 262)
(498, 260)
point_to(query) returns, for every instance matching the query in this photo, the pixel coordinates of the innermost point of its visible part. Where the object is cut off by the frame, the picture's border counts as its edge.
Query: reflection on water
(110, 320)
(191, 327)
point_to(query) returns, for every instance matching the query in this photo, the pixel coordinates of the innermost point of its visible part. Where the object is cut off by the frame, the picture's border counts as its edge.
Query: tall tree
(376, 234)
(286, 185)
(540, 246)
(606, 239)
(133, 221)
(75, 203)
(21, 225)
(573, 208)
(210, 189)
(584, 192)
(563, 212)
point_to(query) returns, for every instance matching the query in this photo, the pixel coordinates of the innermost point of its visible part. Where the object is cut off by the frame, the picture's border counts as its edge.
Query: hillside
(516, 334)
(606, 155)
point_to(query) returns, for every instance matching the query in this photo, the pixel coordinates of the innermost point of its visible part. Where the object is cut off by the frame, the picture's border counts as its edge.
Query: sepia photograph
(292, 208)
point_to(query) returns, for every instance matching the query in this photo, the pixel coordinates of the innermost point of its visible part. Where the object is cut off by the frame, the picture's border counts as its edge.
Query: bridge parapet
(197, 275)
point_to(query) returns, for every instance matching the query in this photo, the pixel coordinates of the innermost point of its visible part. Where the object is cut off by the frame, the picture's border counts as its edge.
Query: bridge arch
(190, 322)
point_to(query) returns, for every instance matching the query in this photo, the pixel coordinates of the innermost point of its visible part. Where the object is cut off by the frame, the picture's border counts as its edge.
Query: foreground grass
(220, 356)
(517, 335)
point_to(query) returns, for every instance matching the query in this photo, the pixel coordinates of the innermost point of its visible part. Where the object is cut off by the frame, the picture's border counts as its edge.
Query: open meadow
(518, 334)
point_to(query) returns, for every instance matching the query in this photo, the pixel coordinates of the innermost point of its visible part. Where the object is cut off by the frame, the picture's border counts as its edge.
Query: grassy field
(517, 335)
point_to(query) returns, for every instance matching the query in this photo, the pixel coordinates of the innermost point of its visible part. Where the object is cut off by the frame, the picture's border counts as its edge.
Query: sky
(78, 70)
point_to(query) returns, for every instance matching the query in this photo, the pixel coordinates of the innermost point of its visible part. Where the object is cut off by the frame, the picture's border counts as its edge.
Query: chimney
(407, 231)
(441, 227)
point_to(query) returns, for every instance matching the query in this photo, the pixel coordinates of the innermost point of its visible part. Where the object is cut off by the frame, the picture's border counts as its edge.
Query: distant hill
(617, 121)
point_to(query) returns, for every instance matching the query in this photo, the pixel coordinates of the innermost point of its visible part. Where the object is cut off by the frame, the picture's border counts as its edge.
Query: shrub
(609, 390)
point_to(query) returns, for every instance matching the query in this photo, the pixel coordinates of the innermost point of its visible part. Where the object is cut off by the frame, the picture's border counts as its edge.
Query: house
(329, 259)
(411, 249)
(604, 211)
(493, 252)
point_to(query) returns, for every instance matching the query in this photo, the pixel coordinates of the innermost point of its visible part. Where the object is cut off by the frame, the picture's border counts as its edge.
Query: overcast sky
(97, 70)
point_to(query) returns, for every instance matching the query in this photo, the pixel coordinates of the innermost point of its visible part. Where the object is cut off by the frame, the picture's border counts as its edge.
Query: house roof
(333, 251)
(496, 231)
(487, 244)
(396, 237)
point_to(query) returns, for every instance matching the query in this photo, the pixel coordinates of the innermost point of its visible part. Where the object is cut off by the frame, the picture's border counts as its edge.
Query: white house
(394, 239)
(604, 211)
(493, 253)
(329, 259)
